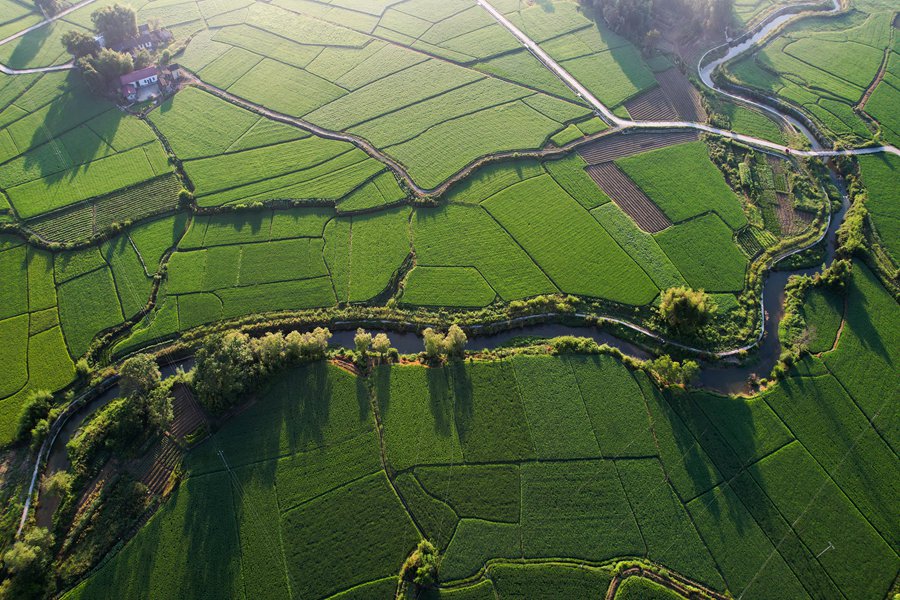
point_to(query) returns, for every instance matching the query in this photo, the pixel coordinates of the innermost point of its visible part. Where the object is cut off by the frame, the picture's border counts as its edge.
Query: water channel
(727, 379)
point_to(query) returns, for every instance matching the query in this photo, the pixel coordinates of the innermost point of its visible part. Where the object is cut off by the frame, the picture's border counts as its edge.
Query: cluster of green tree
(26, 566)
(101, 65)
(637, 19)
(230, 364)
(686, 310)
(420, 567)
(143, 411)
(439, 346)
(49, 7)
(364, 342)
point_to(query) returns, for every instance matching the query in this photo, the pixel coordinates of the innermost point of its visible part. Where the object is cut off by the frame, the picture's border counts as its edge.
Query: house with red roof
(130, 83)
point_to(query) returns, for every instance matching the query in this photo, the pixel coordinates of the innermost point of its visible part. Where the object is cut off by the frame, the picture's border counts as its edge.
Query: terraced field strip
(683, 96)
(630, 198)
(621, 145)
(652, 105)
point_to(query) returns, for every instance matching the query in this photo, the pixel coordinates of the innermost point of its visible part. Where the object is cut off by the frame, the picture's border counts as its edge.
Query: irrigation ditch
(724, 379)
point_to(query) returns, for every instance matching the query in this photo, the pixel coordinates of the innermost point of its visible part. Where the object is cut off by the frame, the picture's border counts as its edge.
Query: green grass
(87, 305)
(863, 565)
(554, 496)
(154, 238)
(615, 405)
(868, 349)
(284, 295)
(102, 177)
(704, 252)
(132, 284)
(830, 426)
(14, 293)
(666, 528)
(447, 286)
(363, 258)
(569, 173)
(411, 121)
(490, 415)
(41, 288)
(197, 124)
(537, 213)
(444, 149)
(880, 174)
(822, 311)
(683, 182)
(740, 547)
(548, 581)
(556, 413)
(638, 588)
(642, 246)
(474, 543)
(14, 354)
(436, 519)
(489, 492)
(417, 429)
(751, 122)
(298, 92)
(366, 515)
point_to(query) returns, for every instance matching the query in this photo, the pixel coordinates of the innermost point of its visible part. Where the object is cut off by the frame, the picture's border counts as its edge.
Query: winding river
(719, 378)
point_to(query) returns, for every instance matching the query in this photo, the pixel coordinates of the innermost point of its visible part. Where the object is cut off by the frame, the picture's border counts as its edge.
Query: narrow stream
(723, 379)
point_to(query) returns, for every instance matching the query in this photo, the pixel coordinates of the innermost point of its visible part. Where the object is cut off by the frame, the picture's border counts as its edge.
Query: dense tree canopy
(115, 23)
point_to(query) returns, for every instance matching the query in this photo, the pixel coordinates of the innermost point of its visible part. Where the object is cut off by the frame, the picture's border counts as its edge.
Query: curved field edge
(505, 453)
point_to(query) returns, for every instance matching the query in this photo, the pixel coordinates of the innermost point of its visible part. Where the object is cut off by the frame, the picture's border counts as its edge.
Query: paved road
(45, 22)
(621, 123)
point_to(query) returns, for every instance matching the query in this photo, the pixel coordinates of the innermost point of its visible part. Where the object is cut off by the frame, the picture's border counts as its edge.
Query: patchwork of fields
(825, 66)
(496, 460)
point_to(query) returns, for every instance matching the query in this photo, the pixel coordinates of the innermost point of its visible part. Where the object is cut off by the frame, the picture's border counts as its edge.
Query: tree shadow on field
(60, 148)
(382, 383)
(462, 398)
(440, 401)
(29, 45)
(306, 414)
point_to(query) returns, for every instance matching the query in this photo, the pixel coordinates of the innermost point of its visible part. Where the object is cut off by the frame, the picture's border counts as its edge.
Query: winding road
(8, 71)
(621, 123)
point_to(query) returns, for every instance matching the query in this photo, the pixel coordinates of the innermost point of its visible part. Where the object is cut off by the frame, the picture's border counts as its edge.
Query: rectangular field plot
(368, 515)
(87, 305)
(447, 286)
(704, 252)
(629, 197)
(556, 495)
(537, 213)
(684, 183)
(554, 408)
(417, 430)
(490, 415)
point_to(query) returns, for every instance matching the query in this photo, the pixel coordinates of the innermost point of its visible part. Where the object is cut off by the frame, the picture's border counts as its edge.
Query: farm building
(130, 83)
(146, 39)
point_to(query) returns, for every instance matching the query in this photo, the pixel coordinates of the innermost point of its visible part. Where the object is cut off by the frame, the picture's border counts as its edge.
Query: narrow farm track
(620, 123)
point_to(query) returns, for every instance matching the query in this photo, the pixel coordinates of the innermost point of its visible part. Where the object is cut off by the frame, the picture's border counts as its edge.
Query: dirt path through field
(6, 70)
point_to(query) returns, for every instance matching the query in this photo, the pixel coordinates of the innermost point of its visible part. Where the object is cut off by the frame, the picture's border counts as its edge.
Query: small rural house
(146, 39)
(131, 82)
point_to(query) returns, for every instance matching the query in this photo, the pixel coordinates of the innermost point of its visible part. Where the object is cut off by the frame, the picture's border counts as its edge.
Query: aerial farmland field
(457, 299)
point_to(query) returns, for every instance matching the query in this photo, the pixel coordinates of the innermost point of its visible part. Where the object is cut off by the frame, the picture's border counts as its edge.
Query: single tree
(49, 7)
(455, 342)
(420, 567)
(685, 309)
(27, 565)
(139, 375)
(670, 372)
(115, 23)
(434, 344)
(362, 341)
(382, 345)
(79, 44)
